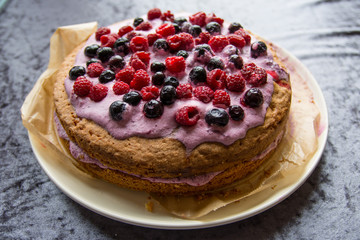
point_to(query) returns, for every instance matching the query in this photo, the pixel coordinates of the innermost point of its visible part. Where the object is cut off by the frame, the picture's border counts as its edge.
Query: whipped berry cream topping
(193, 78)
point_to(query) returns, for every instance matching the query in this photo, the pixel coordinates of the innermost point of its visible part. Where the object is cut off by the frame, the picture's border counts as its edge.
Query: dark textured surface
(324, 35)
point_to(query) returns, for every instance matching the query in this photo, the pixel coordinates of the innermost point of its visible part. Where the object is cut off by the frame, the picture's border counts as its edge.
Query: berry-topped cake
(172, 104)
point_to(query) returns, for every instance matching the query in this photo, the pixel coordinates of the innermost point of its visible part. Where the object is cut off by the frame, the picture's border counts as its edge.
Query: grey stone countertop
(323, 34)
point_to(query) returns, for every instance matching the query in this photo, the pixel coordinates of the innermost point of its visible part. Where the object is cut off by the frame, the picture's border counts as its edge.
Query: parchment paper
(289, 161)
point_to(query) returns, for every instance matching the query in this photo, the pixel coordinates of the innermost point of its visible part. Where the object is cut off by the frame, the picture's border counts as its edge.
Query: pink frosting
(136, 124)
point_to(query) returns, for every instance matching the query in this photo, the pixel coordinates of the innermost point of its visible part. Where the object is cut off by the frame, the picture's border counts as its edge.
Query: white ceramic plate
(129, 206)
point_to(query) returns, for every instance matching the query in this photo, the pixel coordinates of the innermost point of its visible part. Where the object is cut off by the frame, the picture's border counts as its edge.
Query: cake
(172, 104)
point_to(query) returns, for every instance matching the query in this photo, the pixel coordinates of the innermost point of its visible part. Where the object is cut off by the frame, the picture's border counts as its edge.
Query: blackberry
(106, 76)
(197, 74)
(137, 21)
(182, 53)
(168, 95)
(116, 109)
(158, 78)
(215, 63)
(237, 61)
(76, 72)
(195, 30)
(121, 46)
(253, 98)
(116, 62)
(172, 81)
(104, 54)
(233, 27)
(90, 51)
(236, 113)
(161, 44)
(157, 67)
(217, 116)
(213, 27)
(258, 49)
(180, 20)
(153, 109)
(93, 60)
(133, 98)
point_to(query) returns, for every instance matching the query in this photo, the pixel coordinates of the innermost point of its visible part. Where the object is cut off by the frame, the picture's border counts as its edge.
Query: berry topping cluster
(160, 59)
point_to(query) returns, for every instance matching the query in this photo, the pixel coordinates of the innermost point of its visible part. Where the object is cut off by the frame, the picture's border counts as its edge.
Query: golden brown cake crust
(166, 157)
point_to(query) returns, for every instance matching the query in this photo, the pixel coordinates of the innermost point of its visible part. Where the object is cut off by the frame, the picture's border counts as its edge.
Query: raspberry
(198, 19)
(125, 75)
(121, 88)
(131, 35)
(94, 70)
(273, 74)
(254, 75)
(149, 92)
(102, 31)
(182, 41)
(213, 18)
(184, 91)
(235, 83)
(140, 60)
(204, 37)
(139, 43)
(140, 80)
(216, 79)
(221, 99)
(236, 40)
(124, 30)
(204, 93)
(244, 34)
(166, 30)
(152, 37)
(98, 92)
(144, 26)
(137, 64)
(218, 43)
(107, 40)
(154, 13)
(187, 116)
(175, 64)
(167, 16)
(82, 86)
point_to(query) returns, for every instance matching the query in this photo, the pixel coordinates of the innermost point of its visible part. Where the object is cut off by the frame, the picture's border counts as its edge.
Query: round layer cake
(172, 104)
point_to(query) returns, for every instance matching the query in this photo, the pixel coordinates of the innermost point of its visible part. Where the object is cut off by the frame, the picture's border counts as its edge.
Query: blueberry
(172, 81)
(177, 28)
(157, 67)
(116, 62)
(185, 27)
(195, 30)
(168, 95)
(214, 63)
(158, 78)
(116, 109)
(236, 113)
(76, 72)
(137, 21)
(121, 45)
(213, 27)
(153, 109)
(237, 61)
(253, 98)
(180, 20)
(217, 116)
(202, 48)
(258, 49)
(197, 74)
(90, 51)
(106, 76)
(93, 60)
(104, 54)
(182, 53)
(161, 44)
(133, 98)
(233, 27)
